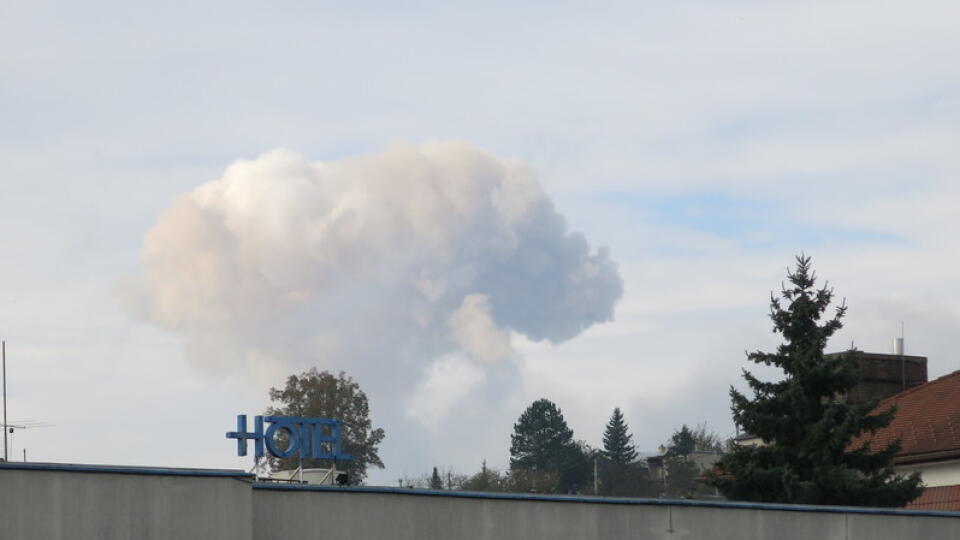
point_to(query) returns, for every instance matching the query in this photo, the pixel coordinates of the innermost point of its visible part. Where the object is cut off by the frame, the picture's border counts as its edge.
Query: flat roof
(124, 469)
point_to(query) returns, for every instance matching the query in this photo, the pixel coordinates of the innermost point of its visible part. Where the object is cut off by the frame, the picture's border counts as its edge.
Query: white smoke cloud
(379, 265)
(447, 382)
(475, 331)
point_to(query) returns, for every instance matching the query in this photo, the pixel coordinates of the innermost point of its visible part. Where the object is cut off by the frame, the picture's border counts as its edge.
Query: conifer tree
(435, 481)
(542, 442)
(619, 473)
(816, 447)
(681, 443)
(541, 438)
(617, 445)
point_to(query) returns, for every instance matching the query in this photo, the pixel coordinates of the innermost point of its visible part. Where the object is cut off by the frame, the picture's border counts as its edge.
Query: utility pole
(596, 483)
(3, 353)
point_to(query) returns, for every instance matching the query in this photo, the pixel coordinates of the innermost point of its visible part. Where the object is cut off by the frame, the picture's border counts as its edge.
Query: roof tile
(927, 418)
(937, 498)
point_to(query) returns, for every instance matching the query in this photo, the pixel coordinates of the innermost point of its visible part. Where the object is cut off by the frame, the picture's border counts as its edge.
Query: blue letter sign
(305, 437)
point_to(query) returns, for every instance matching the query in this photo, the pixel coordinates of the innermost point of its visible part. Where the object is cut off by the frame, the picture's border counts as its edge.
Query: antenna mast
(903, 361)
(3, 353)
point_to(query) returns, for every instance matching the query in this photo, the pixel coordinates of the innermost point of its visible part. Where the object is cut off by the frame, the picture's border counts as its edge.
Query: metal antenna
(21, 424)
(3, 348)
(903, 361)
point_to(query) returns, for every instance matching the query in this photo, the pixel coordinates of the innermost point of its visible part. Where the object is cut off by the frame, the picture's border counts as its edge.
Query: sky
(586, 203)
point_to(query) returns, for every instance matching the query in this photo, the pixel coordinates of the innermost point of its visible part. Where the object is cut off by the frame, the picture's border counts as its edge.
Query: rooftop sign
(317, 438)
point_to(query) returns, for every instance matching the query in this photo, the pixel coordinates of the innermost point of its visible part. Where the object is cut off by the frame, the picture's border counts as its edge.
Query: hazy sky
(702, 144)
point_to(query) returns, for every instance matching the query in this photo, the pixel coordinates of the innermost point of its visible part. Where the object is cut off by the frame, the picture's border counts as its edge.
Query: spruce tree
(435, 481)
(617, 445)
(816, 447)
(619, 474)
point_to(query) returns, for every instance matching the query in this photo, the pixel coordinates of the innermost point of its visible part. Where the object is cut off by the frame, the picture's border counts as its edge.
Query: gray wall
(62, 505)
(58, 502)
(397, 514)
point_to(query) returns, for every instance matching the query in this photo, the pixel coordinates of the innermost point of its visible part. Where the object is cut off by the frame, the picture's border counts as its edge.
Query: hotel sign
(317, 438)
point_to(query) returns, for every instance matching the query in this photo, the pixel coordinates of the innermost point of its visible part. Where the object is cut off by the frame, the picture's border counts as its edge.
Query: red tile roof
(937, 498)
(927, 421)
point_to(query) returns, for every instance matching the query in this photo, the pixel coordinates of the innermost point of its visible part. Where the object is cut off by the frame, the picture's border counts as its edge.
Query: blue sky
(752, 224)
(704, 144)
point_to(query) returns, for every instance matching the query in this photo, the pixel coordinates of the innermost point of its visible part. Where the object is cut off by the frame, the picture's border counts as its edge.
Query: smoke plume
(398, 268)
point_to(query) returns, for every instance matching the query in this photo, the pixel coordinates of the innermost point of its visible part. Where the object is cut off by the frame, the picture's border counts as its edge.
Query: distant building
(881, 376)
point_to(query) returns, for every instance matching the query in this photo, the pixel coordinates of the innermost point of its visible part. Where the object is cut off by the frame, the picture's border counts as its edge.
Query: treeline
(546, 458)
(816, 447)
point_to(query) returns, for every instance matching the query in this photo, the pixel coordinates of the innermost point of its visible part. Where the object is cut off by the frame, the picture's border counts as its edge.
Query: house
(881, 375)
(927, 422)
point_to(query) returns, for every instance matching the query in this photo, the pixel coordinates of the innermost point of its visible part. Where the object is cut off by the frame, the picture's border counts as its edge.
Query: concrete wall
(331, 513)
(50, 502)
(59, 502)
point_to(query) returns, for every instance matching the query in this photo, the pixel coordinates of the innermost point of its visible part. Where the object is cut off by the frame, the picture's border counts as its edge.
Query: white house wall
(942, 473)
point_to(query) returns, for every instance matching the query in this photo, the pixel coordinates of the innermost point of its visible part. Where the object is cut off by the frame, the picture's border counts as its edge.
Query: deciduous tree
(486, 480)
(323, 395)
